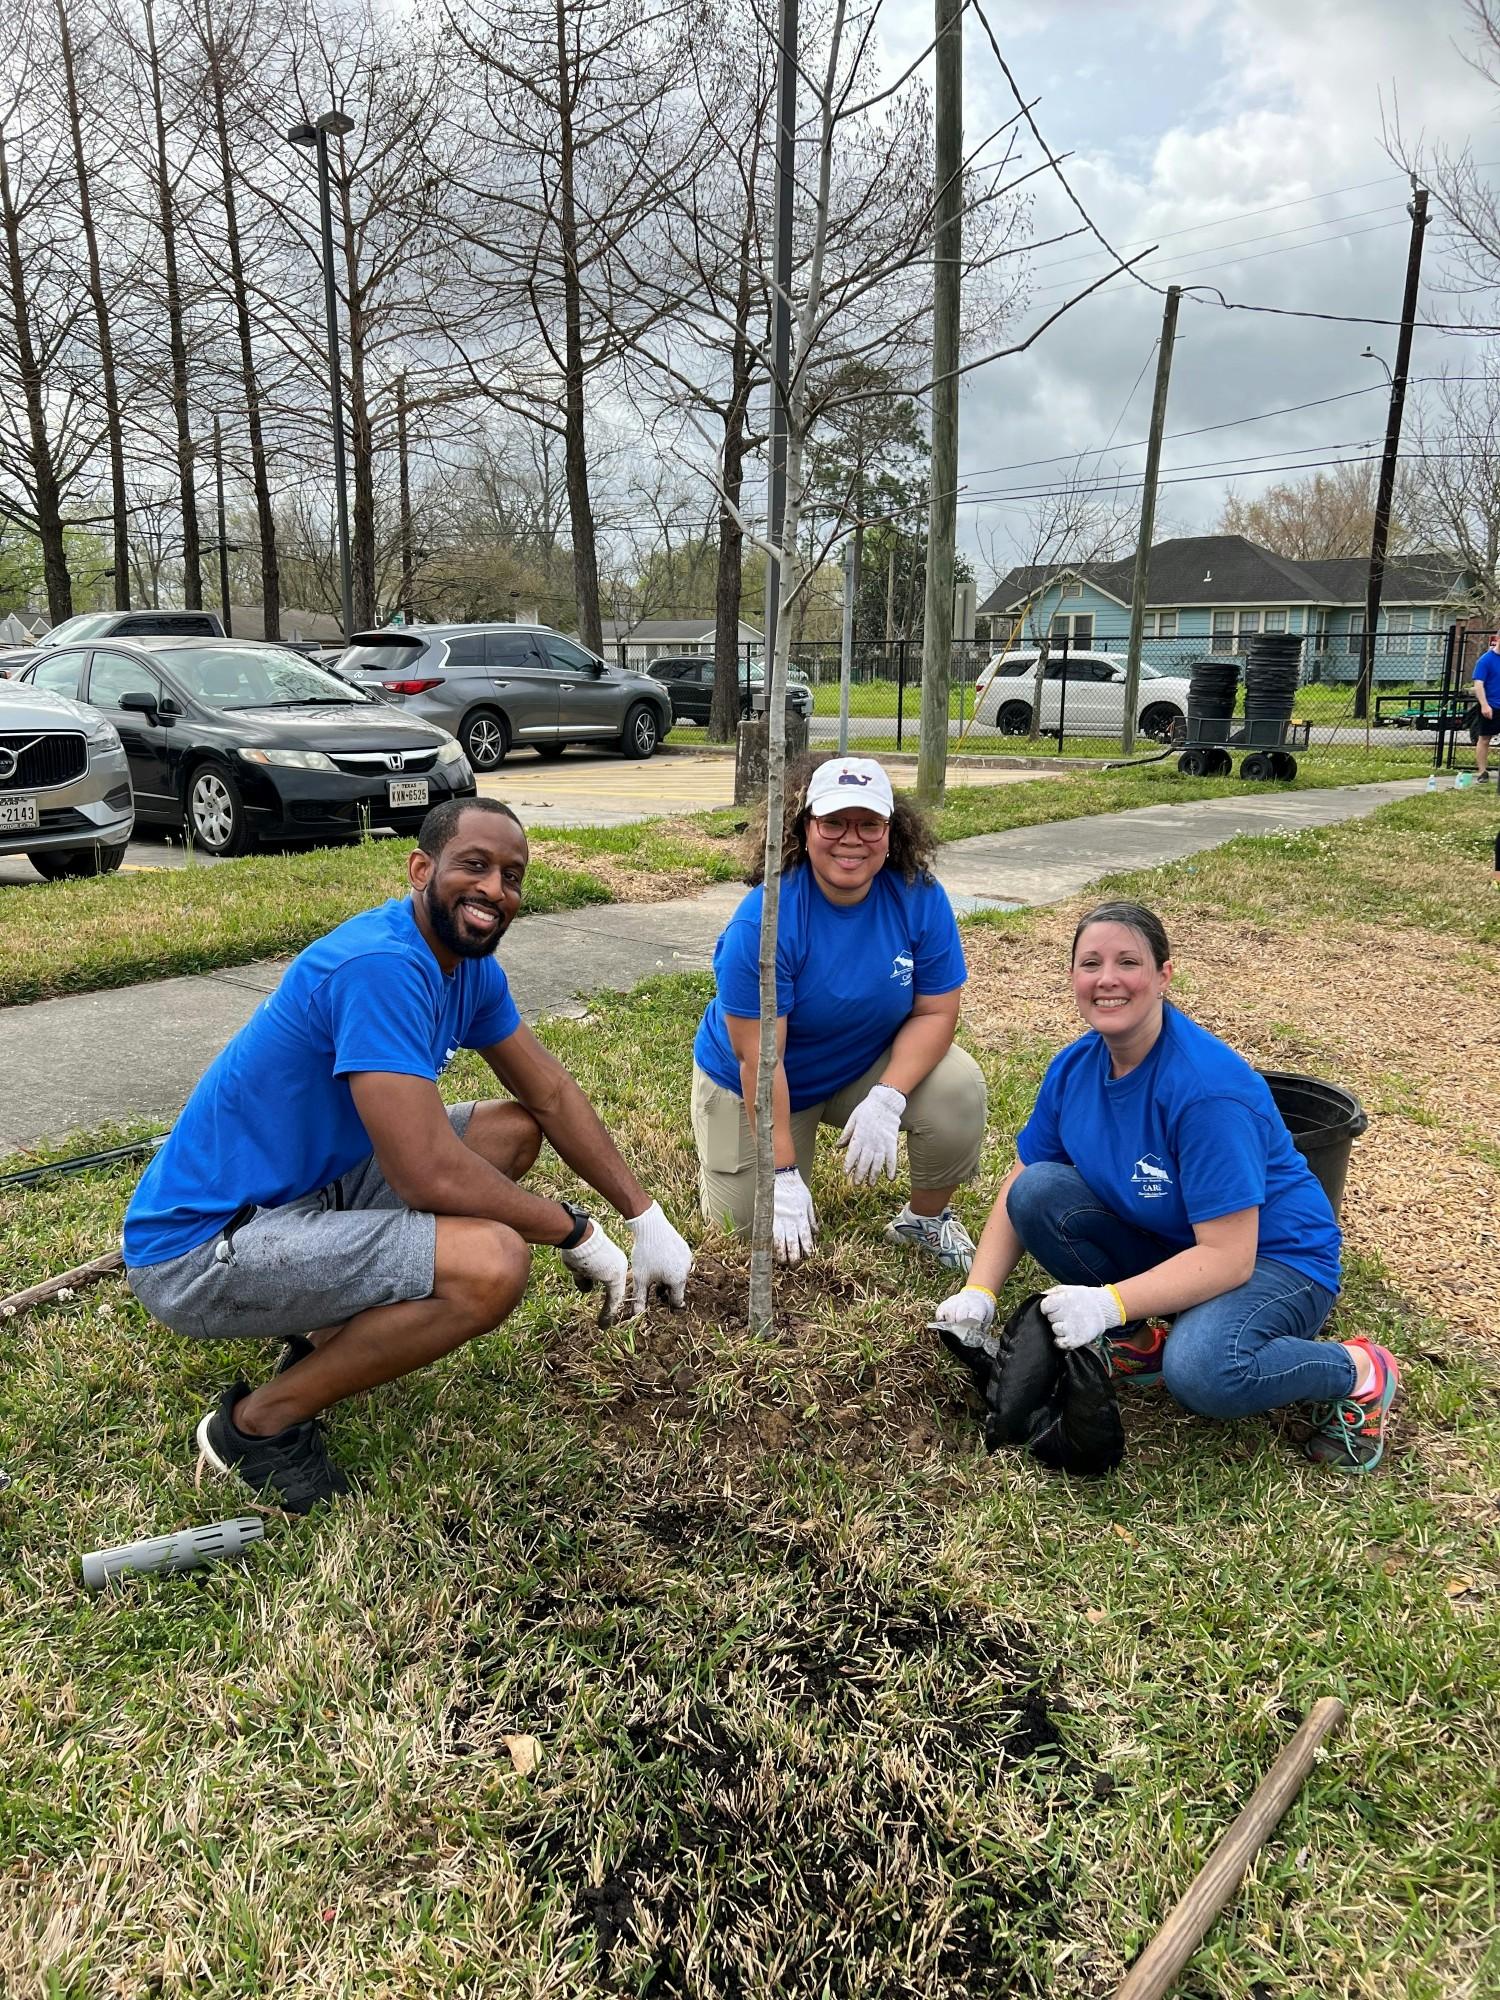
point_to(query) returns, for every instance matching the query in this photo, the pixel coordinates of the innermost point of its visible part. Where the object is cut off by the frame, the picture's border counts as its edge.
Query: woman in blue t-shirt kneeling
(1156, 1177)
(868, 975)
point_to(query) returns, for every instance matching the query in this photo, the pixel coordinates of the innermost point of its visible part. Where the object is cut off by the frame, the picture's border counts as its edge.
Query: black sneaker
(294, 1465)
(296, 1349)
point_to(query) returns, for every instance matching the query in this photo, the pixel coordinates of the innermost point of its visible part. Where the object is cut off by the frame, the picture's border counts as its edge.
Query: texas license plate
(23, 812)
(412, 793)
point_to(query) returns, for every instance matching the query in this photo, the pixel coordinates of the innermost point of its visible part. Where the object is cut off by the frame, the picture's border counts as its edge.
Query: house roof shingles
(1229, 570)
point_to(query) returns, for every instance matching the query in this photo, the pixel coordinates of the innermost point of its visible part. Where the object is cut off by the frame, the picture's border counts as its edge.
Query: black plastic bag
(1059, 1406)
(1084, 1434)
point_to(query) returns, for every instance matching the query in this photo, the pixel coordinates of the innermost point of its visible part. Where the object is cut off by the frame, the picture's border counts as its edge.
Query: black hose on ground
(82, 1163)
(1135, 763)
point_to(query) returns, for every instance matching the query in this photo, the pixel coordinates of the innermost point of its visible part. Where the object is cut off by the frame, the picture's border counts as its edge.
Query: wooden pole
(74, 1280)
(1185, 1929)
(1148, 521)
(942, 508)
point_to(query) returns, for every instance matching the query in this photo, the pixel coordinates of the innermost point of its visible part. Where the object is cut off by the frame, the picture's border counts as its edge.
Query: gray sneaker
(941, 1236)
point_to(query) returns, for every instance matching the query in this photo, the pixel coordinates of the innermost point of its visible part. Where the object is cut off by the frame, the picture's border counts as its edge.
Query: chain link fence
(1061, 699)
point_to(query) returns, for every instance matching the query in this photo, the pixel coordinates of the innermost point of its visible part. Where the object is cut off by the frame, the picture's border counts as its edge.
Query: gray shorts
(272, 1272)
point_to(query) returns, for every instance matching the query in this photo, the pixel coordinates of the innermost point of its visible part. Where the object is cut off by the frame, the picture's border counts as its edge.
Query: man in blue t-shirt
(1487, 695)
(315, 1190)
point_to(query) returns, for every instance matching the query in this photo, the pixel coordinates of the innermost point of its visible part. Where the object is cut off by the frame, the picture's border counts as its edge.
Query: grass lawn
(77, 937)
(828, 1702)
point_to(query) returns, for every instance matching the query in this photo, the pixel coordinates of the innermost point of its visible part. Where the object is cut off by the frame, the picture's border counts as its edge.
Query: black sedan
(689, 680)
(235, 741)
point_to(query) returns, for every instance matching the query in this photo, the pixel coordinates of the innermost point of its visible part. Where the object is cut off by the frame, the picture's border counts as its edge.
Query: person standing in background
(1487, 696)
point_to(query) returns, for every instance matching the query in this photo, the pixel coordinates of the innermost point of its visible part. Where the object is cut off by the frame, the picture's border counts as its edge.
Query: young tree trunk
(270, 576)
(723, 718)
(403, 468)
(46, 488)
(575, 445)
(114, 430)
(361, 430)
(192, 550)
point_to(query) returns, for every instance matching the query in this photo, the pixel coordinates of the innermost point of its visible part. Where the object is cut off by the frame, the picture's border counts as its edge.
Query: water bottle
(1432, 782)
(1462, 782)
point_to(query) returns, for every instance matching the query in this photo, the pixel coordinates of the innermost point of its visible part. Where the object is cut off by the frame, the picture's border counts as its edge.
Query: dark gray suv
(499, 687)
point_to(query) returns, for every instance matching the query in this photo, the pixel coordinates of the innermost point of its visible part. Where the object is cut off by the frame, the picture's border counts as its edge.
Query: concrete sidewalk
(75, 1064)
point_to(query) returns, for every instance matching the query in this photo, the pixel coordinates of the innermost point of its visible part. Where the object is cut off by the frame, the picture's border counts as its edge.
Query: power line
(1271, 236)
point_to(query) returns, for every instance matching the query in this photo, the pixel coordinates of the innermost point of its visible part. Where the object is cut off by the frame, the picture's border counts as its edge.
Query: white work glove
(970, 1307)
(793, 1220)
(598, 1261)
(1080, 1314)
(659, 1256)
(870, 1133)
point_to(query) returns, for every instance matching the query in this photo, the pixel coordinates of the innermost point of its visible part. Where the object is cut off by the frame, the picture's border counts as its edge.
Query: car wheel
(486, 739)
(56, 864)
(1014, 719)
(215, 818)
(549, 752)
(1164, 723)
(642, 731)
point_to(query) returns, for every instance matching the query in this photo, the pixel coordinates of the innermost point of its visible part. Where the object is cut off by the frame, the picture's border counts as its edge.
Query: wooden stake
(1185, 1929)
(81, 1274)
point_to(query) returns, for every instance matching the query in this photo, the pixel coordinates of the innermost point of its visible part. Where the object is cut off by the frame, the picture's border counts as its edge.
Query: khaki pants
(943, 1121)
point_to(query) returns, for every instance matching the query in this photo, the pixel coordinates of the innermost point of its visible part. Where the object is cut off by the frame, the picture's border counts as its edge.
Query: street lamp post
(316, 135)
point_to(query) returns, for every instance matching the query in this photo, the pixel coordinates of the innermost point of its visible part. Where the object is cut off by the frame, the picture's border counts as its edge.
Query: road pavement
(75, 1064)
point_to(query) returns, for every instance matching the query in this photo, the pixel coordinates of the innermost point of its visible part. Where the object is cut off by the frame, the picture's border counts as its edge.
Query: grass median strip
(828, 1702)
(76, 937)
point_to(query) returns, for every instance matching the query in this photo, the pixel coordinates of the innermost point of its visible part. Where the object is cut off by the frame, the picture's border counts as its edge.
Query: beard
(445, 923)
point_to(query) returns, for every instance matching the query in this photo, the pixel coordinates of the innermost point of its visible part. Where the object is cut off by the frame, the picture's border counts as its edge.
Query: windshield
(379, 656)
(257, 677)
(1154, 673)
(84, 626)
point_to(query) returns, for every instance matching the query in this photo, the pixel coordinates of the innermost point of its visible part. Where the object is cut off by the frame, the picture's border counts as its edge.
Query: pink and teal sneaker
(1135, 1351)
(1350, 1434)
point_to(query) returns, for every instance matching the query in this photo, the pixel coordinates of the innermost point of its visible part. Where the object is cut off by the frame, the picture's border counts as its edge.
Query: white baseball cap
(845, 782)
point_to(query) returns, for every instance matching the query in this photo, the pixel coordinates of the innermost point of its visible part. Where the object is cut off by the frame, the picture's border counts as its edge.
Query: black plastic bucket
(1324, 1122)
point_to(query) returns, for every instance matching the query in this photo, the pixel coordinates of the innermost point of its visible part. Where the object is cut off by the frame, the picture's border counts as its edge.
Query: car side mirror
(138, 701)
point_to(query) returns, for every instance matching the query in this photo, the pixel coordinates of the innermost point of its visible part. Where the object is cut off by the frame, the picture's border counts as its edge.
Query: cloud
(1245, 140)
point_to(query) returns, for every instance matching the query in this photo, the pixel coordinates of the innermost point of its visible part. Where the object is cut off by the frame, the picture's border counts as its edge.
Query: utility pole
(942, 512)
(781, 315)
(1148, 520)
(223, 532)
(1417, 210)
(408, 586)
(846, 647)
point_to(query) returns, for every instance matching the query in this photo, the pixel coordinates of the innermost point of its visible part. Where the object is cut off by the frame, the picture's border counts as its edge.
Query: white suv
(1083, 691)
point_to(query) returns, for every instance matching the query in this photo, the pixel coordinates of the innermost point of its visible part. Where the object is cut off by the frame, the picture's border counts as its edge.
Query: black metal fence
(1069, 700)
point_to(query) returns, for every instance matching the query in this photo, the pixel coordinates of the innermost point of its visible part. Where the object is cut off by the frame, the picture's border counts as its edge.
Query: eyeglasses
(869, 830)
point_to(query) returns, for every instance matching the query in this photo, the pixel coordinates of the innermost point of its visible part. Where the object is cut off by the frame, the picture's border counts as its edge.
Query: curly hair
(911, 849)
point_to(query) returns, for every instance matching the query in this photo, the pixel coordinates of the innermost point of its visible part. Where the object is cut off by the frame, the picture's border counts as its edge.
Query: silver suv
(65, 800)
(497, 687)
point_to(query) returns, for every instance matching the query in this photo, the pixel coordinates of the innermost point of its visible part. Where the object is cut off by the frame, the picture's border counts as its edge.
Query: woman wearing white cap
(869, 969)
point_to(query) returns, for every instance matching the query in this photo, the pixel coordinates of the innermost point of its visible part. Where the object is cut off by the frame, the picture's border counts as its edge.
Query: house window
(1397, 632)
(1072, 587)
(1275, 622)
(1166, 625)
(1233, 630)
(1356, 639)
(1072, 628)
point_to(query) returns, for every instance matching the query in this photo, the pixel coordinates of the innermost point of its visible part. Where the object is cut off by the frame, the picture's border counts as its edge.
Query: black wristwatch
(581, 1221)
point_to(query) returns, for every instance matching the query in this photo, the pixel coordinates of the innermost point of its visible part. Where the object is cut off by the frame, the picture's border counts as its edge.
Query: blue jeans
(1247, 1350)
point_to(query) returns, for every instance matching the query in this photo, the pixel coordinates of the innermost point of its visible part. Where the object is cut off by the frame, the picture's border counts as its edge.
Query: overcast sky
(1180, 117)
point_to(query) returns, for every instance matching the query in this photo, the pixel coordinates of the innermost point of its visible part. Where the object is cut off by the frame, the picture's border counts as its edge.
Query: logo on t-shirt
(903, 965)
(1149, 1177)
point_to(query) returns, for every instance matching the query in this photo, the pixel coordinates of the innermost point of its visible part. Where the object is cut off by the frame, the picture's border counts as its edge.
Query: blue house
(1214, 593)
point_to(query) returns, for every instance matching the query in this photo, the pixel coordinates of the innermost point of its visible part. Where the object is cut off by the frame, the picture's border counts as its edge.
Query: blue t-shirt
(1192, 1133)
(1487, 672)
(273, 1117)
(846, 977)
